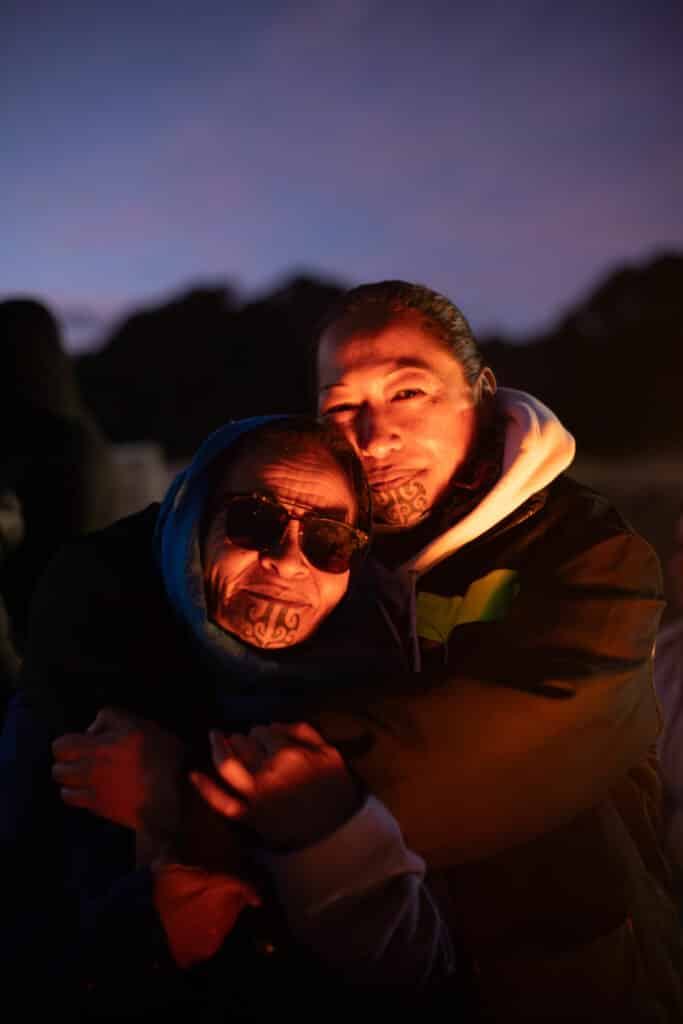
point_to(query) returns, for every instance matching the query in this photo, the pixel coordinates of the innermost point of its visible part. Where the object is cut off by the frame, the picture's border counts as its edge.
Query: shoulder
(95, 616)
(111, 556)
(579, 527)
(566, 497)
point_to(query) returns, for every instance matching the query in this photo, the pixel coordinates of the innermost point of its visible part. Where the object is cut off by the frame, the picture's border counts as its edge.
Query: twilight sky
(508, 154)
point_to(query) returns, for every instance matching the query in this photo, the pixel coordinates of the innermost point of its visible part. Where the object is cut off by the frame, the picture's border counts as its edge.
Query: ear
(485, 386)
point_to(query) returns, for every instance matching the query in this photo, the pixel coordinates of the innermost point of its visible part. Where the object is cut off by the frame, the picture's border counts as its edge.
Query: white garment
(537, 449)
(358, 899)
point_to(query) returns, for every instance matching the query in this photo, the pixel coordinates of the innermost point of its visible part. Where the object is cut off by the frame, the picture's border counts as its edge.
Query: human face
(403, 402)
(276, 598)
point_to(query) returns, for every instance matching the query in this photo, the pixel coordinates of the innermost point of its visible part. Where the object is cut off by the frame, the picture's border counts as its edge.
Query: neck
(394, 545)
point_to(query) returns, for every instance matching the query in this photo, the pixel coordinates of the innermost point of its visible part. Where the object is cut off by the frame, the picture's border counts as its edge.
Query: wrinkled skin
(276, 598)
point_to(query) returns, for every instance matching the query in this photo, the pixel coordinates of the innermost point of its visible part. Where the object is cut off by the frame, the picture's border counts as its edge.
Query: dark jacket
(538, 917)
(87, 920)
(526, 767)
(545, 803)
(518, 761)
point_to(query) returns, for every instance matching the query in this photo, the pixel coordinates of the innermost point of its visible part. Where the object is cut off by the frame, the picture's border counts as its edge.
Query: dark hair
(293, 434)
(375, 305)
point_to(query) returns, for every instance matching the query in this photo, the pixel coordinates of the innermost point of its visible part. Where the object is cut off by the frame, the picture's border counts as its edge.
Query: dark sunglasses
(258, 523)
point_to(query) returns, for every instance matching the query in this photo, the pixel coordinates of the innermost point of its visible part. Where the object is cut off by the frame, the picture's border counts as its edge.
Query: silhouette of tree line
(611, 368)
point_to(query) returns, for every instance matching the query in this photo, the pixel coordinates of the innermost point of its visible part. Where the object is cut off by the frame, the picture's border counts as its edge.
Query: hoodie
(536, 449)
(521, 766)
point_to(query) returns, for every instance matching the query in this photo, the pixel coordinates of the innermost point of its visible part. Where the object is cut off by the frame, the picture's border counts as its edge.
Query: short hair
(377, 304)
(291, 435)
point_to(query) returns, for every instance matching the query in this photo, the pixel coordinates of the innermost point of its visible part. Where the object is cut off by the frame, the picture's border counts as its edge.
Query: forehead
(308, 477)
(347, 351)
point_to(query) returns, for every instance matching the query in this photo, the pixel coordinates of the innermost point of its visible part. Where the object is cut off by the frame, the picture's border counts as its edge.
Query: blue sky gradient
(508, 155)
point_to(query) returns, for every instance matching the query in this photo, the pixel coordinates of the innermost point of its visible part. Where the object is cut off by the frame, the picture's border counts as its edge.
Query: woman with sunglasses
(222, 610)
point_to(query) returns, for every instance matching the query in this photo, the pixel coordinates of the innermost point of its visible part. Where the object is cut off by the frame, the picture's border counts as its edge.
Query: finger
(71, 746)
(76, 796)
(239, 887)
(101, 723)
(248, 750)
(72, 773)
(224, 803)
(110, 719)
(270, 738)
(228, 766)
(304, 733)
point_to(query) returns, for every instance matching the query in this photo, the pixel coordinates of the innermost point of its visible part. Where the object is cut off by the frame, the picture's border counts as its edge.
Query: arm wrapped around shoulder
(536, 716)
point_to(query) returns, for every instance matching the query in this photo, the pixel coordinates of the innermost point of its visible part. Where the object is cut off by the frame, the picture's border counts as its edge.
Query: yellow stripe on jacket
(485, 600)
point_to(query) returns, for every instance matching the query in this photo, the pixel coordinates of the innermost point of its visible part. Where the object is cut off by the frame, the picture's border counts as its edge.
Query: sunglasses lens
(259, 524)
(328, 545)
(254, 524)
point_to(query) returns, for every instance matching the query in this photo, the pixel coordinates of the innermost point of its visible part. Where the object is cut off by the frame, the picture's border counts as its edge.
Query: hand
(198, 908)
(285, 782)
(123, 768)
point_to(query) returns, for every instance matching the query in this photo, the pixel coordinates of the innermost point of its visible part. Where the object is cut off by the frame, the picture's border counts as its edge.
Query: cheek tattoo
(401, 506)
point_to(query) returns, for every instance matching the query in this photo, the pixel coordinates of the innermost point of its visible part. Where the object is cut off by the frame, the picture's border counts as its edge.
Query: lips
(267, 593)
(385, 479)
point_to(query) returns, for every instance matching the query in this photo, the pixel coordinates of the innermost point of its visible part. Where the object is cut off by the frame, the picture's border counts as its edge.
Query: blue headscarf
(236, 664)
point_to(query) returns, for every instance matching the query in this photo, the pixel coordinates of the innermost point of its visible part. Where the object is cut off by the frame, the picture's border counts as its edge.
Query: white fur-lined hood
(537, 449)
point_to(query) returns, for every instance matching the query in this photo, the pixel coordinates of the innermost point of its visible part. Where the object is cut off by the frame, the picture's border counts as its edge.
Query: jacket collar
(537, 448)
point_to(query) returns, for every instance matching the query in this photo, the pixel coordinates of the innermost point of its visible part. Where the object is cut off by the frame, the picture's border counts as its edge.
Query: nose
(286, 559)
(377, 432)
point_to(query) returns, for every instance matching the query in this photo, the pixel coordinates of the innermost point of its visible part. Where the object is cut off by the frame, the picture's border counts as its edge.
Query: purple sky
(506, 154)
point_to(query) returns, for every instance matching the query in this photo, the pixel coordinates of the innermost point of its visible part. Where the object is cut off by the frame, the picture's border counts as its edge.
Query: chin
(262, 643)
(405, 523)
(267, 634)
(274, 644)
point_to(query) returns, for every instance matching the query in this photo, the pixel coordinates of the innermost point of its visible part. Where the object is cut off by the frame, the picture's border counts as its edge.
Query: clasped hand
(283, 781)
(123, 768)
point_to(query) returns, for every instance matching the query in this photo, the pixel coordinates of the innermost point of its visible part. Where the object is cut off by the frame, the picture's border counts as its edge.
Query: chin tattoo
(401, 506)
(267, 624)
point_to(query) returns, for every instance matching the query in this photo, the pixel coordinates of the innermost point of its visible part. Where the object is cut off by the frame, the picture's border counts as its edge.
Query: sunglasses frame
(359, 538)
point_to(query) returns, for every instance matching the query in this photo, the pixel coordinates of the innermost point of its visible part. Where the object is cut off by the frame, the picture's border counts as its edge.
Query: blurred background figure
(669, 684)
(55, 463)
(11, 535)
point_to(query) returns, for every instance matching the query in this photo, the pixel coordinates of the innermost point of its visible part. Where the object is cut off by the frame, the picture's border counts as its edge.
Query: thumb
(106, 718)
(252, 897)
(236, 891)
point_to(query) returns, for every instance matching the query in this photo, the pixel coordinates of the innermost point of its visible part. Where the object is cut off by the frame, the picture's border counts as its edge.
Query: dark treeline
(611, 368)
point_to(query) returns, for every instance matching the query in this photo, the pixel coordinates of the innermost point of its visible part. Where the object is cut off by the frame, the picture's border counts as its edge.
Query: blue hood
(238, 666)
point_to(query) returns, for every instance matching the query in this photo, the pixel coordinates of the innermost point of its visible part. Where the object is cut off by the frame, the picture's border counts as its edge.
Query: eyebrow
(404, 363)
(338, 512)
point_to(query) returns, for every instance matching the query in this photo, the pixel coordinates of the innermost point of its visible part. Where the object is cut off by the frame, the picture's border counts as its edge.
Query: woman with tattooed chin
(209, 849)
(527, 609)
